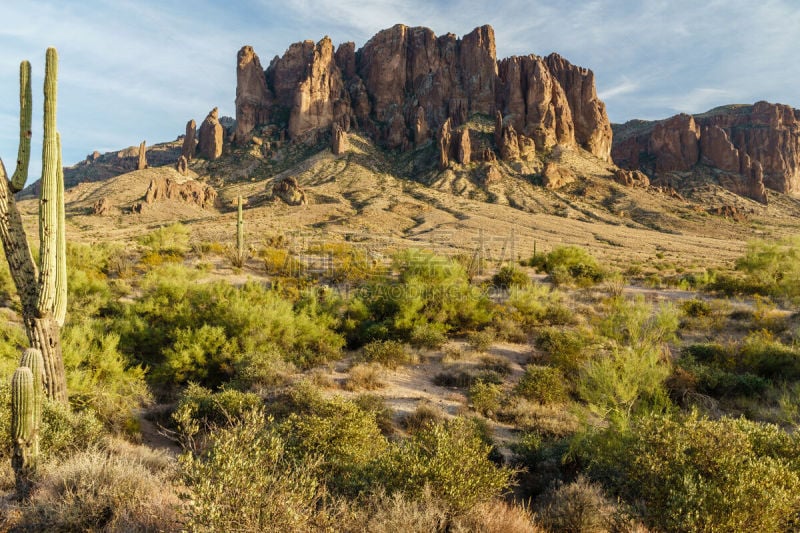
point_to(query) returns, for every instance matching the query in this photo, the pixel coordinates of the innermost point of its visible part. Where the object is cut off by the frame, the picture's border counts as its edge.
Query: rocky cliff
(748, 147)
(405, 83)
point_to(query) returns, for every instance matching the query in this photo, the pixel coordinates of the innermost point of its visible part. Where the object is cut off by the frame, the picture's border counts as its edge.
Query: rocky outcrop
(101, 207)
(406, 82)
(182, 166)
(675, 143)
(631, 178)
(556, 176)
(289, 191)
(463, 147)
(211, 136)
(253, 99)
(748, 148)
(509, 143)
(189, 141)
(592, 128)
(443, 142)
(189, 191)
(339, 144)
(141, 163)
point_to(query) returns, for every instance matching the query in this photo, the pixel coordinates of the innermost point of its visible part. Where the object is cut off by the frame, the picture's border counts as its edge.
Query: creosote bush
(570, 265)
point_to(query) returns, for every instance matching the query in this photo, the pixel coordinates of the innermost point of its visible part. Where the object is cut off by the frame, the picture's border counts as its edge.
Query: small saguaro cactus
(42, 288)
(26, 416)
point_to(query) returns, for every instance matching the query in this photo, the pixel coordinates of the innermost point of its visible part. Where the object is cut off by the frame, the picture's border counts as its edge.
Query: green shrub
(366, 376)
(567, 349)
(390, 354)
(451, 459)
(480, 341)
(696, 307)
(509, 276)
(543, 384)
(247, 481)
(636, 322)
(694, 474)
(771, 268)
(578, 506)
(570, 264)
(428, 336)
(170, 240)
(769, 358)
(424, 416)
(486, 398)
(537, 304)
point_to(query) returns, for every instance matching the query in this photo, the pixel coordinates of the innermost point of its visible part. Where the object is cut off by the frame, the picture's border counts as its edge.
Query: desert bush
(454, 378)
(280, 262)
(480, 341)
(579, 506)
(247, 481)
(538, 304)
(509, 276)
(567, 349)
(570, 264)
(689, 473)
(389, 353)
(485, 398)
(638, 323)
(543, 384)
(771, 268)
(425, 415)
(376, 405)
(98, 491)
(767, 357)
(99, 377)
(451, 459)
(495, 363)
(346, 438)
(428, 336)
(170, 240)
(696, 307)
(365, 376)
(554, 421)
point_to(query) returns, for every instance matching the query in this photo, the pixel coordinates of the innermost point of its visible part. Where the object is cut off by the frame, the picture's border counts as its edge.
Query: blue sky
(138, 70)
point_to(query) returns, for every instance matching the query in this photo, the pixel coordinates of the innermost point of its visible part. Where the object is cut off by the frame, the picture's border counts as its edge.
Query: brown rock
(396, 132)
(675, 143)
(491, 176)
(478, 58)
(421, 131)
(463, 147)
(339, 144)
(182, 166)
(346, 59)
(142, 160)
(534, 102)
(189, 141)
(509, 143)
(211, 136)
(498, 129)
(443, 141)
(728, 211)
(318, 88)
(102, 207)
(631, 178)
(556, 176)
(189, 191)
(488, 155)
(289, 191)
(253, 99)
(592, 128)
(744, 176)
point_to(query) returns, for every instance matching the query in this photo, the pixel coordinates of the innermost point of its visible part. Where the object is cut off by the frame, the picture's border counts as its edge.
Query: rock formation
(405, 83)
(101, 207)
(289, 191)
(748, 148)
(555, 176)
(182, 166)
(189, 141)
(631, 178)
(463, 147)
(189, 191)
(253, 100)
(443, 142)
(339, 144)
(211, 136)
(141, 163)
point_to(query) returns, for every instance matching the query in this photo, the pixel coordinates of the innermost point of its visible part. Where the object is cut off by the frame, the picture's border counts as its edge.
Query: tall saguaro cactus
(42, 289)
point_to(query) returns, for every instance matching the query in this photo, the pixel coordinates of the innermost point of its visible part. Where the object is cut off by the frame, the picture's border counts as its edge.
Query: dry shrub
(496, 516)
(425, 415)
(546, 420)
(365, 376)
(580, 507)
(321, 379)
(100, 491)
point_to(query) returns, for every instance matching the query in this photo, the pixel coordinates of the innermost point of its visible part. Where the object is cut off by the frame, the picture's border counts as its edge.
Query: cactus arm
(32, 358)
(18, 251)
(48, 204)
(25, 112)
(240, 230)
(60, 306)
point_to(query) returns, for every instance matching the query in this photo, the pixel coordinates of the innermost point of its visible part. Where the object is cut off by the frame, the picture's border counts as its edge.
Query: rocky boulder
(631, 178)
(289, 191)
(339, 144)
(102, 207)
(556, 176)
(188, 191)
(211, 136)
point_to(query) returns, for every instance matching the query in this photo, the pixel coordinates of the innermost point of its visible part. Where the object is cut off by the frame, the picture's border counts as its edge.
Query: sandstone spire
(211, 136)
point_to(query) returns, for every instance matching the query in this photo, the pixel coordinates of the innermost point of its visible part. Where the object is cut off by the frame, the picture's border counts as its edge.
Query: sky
(138, 70)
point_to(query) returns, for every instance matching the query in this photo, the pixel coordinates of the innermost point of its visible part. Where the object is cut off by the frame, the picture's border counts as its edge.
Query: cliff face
(405, 83)
(750, 147)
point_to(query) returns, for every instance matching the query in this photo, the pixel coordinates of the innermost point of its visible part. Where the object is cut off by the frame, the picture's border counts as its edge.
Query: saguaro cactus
(42, 289)
(240, 254)
(26, 416)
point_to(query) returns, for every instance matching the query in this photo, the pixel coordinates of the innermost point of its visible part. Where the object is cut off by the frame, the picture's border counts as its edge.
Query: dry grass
(365, 376)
